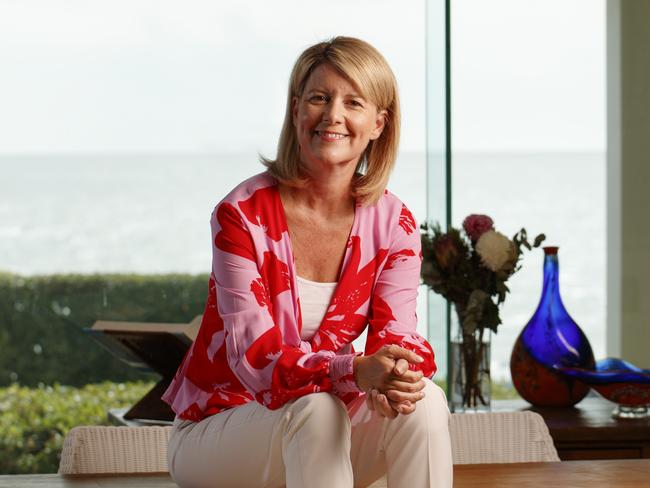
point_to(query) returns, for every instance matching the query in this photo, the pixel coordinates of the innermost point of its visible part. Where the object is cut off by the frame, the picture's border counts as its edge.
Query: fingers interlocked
(401, 392)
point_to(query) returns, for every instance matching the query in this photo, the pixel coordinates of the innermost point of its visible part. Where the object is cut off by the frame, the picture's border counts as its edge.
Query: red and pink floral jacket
(248, 347)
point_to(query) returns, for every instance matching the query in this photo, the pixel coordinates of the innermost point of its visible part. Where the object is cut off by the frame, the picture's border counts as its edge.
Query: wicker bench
(499, 437)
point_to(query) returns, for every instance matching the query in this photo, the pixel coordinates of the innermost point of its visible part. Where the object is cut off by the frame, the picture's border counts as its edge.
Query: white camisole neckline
(315, 298)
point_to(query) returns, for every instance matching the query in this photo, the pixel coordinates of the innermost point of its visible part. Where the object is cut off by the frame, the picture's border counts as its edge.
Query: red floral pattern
(398, 257)
(233, 236)
(343, 319)
(406, 220)
(256, 211)
(265, 349)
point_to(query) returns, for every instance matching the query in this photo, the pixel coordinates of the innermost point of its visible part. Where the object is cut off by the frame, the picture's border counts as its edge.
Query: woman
(305, 256)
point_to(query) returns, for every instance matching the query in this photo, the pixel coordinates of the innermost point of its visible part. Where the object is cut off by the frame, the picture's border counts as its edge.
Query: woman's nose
(333, 112)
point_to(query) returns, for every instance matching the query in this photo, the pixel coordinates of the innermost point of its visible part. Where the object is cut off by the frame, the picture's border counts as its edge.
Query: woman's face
(333, 122)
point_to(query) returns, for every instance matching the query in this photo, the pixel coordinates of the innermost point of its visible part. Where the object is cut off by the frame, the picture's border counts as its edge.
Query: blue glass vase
(551, 339)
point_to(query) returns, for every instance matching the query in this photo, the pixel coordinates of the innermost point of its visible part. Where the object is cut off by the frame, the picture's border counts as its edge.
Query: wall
(628, 180)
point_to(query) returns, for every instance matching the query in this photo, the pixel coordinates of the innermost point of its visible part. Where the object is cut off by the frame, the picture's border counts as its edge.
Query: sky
(202, 76)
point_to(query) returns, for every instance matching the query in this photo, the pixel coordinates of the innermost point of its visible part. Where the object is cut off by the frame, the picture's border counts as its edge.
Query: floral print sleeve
(393, 319)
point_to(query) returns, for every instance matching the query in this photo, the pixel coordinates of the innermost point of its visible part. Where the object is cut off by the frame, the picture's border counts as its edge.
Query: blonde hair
(367, 69)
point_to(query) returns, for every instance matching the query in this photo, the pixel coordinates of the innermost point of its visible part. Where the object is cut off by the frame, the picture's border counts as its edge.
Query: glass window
(528, 101)
(123, 125)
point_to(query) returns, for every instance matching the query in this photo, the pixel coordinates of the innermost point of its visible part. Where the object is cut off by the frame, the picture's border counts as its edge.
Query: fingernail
(419, 359)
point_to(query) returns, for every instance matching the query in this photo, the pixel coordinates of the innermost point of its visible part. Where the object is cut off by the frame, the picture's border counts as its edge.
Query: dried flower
(470, 269)
(446, 252)
(472, 274)
(513, 257)
(476, 225)
(494, 249)
(471, 315)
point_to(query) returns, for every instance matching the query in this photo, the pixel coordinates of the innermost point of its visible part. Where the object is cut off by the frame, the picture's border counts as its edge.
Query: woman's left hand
(391, 403)
(387, 408)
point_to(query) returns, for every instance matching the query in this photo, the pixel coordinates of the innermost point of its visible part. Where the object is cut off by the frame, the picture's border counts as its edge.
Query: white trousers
(315, 442)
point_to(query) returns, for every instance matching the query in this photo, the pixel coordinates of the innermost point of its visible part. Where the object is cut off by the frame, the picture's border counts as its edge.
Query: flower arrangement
(470, 268)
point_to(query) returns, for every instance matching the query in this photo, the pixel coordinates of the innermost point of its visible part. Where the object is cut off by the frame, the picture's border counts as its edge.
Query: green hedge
(34, 422)
(41, 318)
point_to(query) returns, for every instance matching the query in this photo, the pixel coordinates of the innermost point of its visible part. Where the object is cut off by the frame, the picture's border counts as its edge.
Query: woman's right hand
(380, 402)
(387, 371)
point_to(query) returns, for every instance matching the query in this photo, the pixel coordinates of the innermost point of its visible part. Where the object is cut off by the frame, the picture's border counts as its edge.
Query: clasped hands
(390, 386)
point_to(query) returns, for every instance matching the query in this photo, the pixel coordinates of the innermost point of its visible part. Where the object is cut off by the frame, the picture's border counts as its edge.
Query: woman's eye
(356, 103)
(318, 98)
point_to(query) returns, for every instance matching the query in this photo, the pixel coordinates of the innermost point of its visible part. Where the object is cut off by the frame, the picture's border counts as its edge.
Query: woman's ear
(380, 123)
(294, 110)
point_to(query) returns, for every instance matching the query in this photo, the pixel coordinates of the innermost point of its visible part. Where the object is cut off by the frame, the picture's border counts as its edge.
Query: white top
(315, 298)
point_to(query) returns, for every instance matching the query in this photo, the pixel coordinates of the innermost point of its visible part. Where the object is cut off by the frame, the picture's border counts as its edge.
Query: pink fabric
(248, 347)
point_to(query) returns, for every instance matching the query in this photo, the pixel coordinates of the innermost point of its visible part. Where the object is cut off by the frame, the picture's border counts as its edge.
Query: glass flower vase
(550, 340)
(470, 385)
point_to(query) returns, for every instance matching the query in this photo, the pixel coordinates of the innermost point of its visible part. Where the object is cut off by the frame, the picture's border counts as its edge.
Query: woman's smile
(330, 136)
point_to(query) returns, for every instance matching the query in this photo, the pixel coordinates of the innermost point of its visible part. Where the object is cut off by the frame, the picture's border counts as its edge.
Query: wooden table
(618, 473)
(611, 473)
(588, 431)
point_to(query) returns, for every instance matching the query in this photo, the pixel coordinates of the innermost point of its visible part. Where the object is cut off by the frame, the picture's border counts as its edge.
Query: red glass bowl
(618, 381)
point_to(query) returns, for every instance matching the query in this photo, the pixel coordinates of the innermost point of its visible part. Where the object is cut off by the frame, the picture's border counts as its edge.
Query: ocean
(151, 213)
